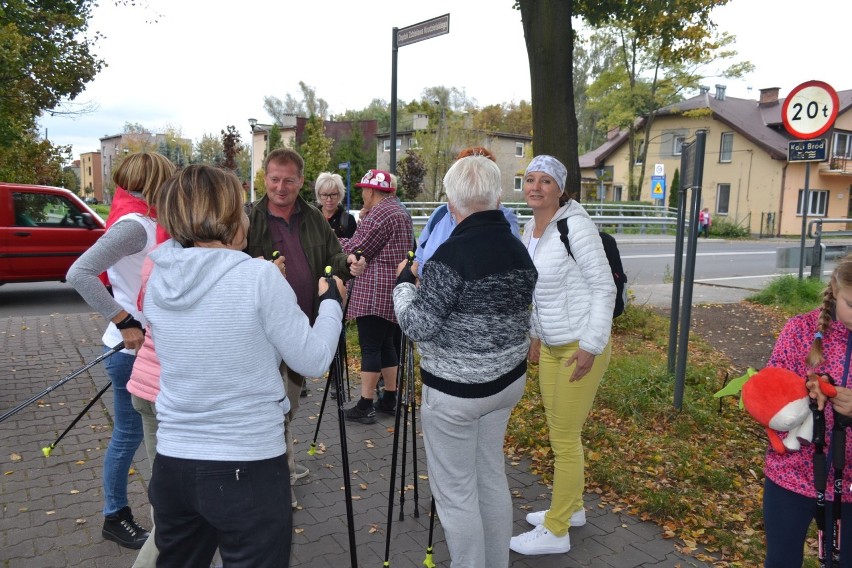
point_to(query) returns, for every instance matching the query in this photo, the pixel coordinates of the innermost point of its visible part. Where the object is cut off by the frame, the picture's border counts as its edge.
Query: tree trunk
(549, 38)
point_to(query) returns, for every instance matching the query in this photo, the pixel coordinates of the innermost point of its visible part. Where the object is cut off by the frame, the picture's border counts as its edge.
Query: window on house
(90, 170)
(842, 144)
(640, 150)
(616, 192)
(818, 203)
(519, 183)
(386, 145)
(726, 148)
(413, 143)
(519, 149)
(723, 197)
(677, 145)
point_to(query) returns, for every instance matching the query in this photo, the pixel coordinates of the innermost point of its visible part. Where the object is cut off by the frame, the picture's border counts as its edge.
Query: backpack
(613, 257)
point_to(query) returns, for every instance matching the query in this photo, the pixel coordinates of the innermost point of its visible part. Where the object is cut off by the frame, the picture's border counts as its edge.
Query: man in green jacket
(284, 222)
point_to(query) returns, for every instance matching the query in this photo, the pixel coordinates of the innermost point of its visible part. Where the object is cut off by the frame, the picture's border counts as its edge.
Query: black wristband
(332, 293)
(406, 276)
(129, 322)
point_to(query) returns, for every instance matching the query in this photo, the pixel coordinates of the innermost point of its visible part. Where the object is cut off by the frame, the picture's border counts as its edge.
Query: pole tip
(46, 451)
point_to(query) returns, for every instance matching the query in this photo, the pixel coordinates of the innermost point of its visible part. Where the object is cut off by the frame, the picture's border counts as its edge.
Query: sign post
(808, 111)
(406, 36)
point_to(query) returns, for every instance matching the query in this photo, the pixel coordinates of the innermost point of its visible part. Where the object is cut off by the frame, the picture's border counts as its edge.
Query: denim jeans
(243, 507)
(126, 433)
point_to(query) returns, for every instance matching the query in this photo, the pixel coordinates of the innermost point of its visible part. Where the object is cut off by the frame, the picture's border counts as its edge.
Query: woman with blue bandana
(570, 329)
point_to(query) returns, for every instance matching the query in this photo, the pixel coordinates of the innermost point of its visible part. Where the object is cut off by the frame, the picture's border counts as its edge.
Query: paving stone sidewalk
(50, 507)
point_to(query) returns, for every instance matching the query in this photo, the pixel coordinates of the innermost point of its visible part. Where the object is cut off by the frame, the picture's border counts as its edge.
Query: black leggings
(376, 337)
(786, 518)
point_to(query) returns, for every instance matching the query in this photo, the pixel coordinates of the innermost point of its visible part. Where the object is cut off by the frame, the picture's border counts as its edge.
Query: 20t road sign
(810, 109)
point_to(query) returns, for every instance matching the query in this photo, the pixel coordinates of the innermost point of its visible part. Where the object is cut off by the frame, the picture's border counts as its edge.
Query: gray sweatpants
(467, 472)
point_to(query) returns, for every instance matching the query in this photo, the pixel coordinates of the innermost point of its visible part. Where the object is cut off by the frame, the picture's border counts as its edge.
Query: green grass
(791, 295)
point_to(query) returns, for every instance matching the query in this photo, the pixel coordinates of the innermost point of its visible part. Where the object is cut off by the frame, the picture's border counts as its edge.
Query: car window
(45, 210)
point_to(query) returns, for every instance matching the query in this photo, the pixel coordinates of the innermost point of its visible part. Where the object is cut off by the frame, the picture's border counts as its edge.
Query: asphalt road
(725, 272)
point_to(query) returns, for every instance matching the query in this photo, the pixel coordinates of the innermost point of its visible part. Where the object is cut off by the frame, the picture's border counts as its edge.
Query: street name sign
(424, 30)
(810, 109)
(807, 150)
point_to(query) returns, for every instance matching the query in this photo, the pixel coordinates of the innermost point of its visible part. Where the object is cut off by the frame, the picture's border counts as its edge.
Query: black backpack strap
(562, 226)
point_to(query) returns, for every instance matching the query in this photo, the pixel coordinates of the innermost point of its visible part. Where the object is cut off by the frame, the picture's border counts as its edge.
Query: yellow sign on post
(658, 187)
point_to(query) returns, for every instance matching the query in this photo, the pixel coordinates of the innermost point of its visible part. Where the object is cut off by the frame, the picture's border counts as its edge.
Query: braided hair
(840, 278)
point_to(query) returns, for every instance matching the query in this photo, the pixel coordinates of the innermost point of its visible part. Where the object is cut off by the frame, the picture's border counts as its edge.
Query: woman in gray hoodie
(222, 323)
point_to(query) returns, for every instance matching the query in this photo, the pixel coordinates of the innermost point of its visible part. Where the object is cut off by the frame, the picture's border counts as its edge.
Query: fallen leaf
(15, 457)
(81, 521)
(298, 531)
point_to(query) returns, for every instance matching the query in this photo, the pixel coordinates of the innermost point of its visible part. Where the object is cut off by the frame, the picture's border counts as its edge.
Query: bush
(728, 230)
(792, 295)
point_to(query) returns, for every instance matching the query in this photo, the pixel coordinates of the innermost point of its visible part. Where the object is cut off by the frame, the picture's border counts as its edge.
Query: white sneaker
(578, 519)
(299, 472)
(540, 541)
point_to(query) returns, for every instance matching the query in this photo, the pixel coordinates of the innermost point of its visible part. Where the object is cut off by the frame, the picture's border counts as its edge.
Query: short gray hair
(328, 180)
(473, 184)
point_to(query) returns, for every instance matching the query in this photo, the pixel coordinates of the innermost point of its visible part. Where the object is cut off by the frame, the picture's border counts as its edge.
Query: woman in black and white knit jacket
(470, 319)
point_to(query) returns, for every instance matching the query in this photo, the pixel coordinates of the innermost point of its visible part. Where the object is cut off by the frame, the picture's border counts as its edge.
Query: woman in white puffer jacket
(570, 328)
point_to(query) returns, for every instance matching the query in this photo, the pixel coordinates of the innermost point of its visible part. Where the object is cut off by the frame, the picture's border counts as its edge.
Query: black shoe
(386, 406)
(304, 392)
(122, 529)
(362, 415)
(332, 393)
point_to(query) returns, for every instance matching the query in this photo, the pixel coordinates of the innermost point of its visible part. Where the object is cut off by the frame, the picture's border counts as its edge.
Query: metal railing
(613, 217)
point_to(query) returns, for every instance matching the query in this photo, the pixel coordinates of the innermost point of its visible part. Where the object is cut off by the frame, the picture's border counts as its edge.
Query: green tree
(46, 57)
(230, 147)
(352, 150)
(673, 190)
(410, 171)
(592, 56)
(275, 141)
(378, 110)
(310, 104)
(209, 150)
(663, 50)
(33, 160)
(70, 180)
(316, 151)
(175, 147)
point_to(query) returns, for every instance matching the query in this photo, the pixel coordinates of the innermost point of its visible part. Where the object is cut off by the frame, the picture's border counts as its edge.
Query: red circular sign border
(801, 135)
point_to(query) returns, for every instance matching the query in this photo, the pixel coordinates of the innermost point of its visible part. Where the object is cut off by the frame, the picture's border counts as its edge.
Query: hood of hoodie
(182, 276)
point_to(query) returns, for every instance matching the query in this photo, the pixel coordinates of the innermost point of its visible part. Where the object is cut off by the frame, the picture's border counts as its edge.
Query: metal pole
(348, 186)
(692, 244)
(806, 203)
(678, 262)
(394, 52)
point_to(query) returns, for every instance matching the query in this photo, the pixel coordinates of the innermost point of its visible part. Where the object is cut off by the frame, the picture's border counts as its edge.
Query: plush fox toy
(778, 399)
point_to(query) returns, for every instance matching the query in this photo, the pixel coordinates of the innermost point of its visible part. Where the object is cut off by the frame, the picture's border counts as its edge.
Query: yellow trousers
(566, 406)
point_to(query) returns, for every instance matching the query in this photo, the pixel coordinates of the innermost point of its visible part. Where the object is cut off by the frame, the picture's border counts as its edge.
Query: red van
(42, 232)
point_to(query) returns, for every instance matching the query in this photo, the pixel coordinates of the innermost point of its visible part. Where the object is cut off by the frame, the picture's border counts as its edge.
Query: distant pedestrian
(470, 318)
(811, 345)
(121, 251)
(704, 222)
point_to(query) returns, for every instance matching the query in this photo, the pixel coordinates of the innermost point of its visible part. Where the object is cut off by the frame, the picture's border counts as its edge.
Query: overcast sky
(206, 65)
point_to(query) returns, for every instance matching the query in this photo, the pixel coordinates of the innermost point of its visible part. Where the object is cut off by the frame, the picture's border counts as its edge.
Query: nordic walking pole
(412, 401)
(344, 448)
(394, 455)
(76, 373)
(47, 449)
(333, 369)
(402, 388)
(432, 514)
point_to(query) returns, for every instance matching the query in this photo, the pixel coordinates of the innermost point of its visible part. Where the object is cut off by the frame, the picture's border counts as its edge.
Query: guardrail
(641, 219)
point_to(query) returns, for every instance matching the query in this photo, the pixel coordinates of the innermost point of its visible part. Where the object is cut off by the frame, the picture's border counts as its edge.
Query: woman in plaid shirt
(385, 235)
